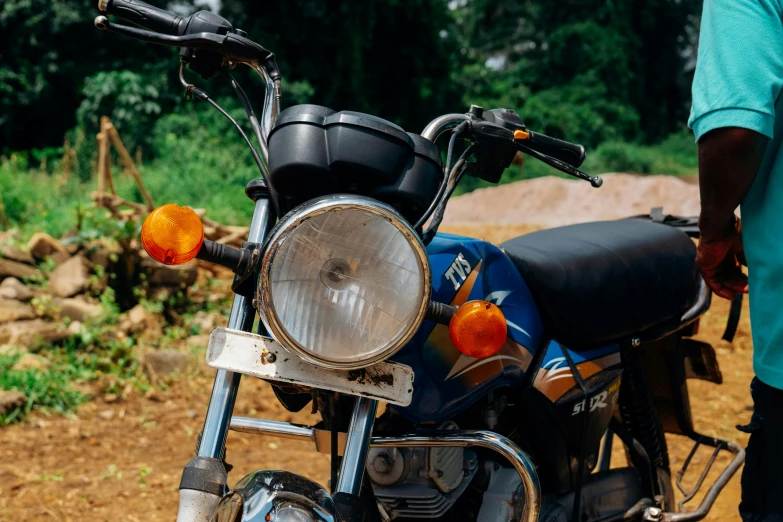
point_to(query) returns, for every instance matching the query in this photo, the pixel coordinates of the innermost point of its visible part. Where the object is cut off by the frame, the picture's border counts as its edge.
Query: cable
(251, 115)
(191, 90)
(445, 183)
(457, 172)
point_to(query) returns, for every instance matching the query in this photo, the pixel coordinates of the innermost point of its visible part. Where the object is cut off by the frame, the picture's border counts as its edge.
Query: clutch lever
(562, 166)
(232, 46)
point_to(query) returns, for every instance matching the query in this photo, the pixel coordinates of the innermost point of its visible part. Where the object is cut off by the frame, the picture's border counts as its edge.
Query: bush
(616, 156)
(676, 155)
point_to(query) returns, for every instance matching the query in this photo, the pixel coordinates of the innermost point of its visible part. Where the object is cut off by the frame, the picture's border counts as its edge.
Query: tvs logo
(458, 271)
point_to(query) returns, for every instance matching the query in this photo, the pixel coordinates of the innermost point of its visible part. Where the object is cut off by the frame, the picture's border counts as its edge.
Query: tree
(47, 49)
(587, 70)
(385, 57)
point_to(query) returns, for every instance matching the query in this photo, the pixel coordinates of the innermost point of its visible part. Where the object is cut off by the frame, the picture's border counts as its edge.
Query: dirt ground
(122, 461)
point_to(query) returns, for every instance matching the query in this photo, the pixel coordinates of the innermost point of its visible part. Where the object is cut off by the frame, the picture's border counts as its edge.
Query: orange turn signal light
(478, 329)
(172, 235)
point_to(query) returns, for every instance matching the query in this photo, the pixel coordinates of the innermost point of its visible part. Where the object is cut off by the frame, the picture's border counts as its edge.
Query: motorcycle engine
(426, 482)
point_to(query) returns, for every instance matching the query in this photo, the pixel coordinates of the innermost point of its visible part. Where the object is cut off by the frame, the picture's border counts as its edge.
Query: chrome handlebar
(441, 124)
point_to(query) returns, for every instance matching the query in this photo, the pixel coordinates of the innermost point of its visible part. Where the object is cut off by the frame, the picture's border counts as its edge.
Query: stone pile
(49, 291)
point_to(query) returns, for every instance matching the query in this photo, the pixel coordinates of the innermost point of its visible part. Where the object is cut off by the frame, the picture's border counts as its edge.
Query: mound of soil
(554, 201)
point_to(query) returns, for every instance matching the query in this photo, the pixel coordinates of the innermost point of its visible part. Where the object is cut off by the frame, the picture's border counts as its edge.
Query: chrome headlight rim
(309, 210)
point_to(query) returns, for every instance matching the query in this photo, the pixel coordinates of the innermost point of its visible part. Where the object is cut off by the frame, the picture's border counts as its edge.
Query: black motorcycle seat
(604, 281)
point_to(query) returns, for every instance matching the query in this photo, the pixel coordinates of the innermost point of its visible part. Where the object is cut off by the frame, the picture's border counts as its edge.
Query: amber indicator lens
(478, 329)
(172, 235)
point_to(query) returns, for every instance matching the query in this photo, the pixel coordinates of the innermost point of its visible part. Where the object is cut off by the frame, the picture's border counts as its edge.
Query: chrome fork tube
(224, 391)
(204, 478)
(356, 446)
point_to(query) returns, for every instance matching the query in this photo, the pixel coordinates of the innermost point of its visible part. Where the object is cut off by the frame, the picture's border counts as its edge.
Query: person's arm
(738, 78)
(729, 159)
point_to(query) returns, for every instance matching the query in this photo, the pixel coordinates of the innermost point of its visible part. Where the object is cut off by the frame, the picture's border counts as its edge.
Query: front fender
(276, 495)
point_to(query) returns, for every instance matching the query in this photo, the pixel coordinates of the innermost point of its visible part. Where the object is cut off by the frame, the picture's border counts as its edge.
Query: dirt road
(121, 461)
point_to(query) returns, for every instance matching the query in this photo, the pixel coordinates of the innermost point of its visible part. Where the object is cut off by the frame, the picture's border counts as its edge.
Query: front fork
(204, 479)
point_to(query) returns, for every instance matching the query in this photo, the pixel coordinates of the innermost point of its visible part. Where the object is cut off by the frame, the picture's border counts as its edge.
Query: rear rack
(654, 514)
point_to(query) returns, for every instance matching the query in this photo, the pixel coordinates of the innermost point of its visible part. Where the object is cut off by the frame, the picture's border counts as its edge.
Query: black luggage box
(314, 151)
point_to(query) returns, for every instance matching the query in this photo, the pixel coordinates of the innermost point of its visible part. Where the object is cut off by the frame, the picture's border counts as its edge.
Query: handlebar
(145, 15)
(571, 153)
(202, 30)
(500, 133)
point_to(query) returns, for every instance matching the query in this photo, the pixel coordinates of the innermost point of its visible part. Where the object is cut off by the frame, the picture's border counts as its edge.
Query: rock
(198, 341)
(75, 328)
(43, 245)
(29, 361)
(14, 253)
(134, 320)
(11, 310)
(137, 321)
(165, 275)
(9, 349)
(70, 278)
(159, 294)
(103, 252)
(165, 362)
(206, 321)
(138, 315)
(10, 400)
(16, 269)
(9, 235)
(25, 333)
(77, 309)
(12, 288)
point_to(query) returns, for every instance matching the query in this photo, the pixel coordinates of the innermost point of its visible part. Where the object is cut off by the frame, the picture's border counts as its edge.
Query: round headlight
(344, 282)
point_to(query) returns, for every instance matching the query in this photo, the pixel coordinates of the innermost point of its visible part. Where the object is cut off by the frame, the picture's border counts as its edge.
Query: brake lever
(232, 46)
(562, 166)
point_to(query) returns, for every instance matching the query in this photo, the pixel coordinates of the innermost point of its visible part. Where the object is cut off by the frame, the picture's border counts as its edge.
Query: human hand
(720, 262)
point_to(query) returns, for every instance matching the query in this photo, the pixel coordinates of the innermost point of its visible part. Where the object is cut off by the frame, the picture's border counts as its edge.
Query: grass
(47, 390)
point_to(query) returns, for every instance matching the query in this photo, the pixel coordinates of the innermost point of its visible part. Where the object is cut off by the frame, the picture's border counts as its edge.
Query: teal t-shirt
(739, 75)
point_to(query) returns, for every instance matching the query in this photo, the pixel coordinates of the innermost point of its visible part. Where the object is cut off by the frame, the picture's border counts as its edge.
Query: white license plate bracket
(265, 358)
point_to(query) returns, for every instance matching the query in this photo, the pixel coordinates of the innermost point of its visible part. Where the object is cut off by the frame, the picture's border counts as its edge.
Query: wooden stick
(108, 200)
(103, 150)
(236, 235)
(107, 126)
(66, 163)
(126, 158)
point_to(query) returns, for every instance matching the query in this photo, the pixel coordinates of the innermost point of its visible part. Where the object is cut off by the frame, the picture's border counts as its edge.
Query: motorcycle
(454, 379)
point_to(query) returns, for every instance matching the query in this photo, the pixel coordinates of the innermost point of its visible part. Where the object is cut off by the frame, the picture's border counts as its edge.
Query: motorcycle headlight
(345, 281)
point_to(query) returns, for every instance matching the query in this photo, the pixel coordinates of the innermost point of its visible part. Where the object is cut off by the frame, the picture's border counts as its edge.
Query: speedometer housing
(315, 151)
(344, 283)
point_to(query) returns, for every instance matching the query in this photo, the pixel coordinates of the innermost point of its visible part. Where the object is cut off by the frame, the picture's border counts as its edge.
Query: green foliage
(580, 113)
(595, 70)
(46, 390)
(34, 197)
(674, 155)
(129, 99)
(204, 162)
(48, 48)
(384, 57)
